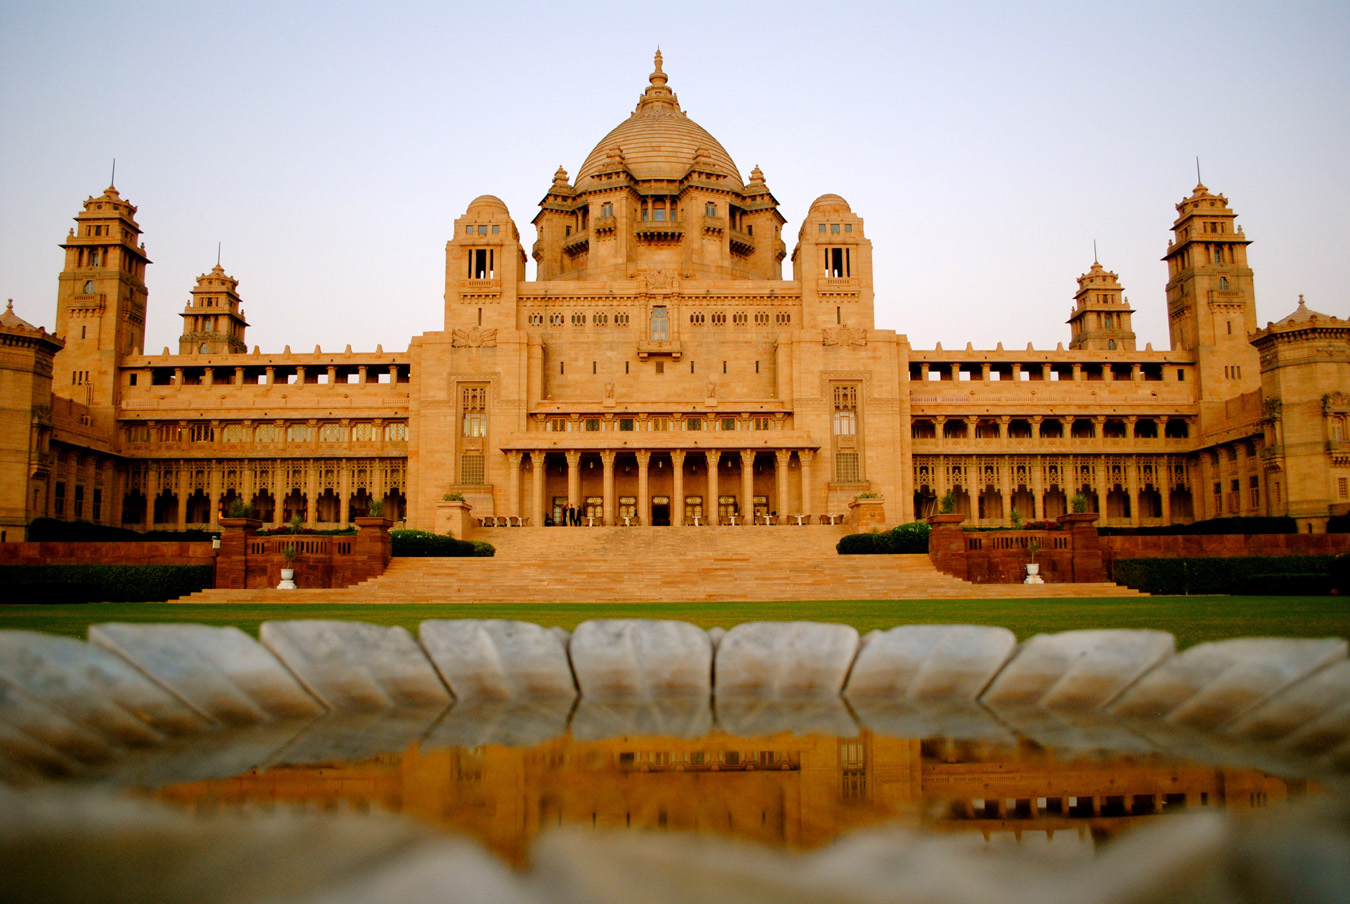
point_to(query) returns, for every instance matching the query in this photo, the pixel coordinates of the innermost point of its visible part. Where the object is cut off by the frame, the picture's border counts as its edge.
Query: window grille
(846, 469)
(472, 468)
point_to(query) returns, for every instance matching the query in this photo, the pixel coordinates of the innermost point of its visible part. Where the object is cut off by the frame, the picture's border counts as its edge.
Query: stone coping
(160, 704)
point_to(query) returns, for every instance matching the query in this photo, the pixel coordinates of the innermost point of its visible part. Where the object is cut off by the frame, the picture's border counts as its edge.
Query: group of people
(573, 516)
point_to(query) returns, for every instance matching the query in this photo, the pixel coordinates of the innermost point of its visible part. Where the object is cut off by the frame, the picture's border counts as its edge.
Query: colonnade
(676, 476)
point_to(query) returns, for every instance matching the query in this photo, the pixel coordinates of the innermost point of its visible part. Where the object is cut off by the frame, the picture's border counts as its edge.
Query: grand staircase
(675, 564)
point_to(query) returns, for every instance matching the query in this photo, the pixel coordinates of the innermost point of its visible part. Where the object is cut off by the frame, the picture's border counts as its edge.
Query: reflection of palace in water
(798, 792)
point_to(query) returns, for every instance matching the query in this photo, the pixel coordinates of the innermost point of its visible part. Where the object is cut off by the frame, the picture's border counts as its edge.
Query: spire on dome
(658, 77)
(657, 94)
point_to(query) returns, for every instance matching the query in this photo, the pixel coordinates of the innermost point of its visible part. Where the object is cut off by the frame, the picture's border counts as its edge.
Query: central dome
(658, 141)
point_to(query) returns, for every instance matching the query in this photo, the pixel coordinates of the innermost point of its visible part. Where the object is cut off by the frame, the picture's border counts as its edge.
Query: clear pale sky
(329, 146)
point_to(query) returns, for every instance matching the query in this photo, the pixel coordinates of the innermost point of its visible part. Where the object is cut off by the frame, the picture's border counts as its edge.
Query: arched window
(1111, 344)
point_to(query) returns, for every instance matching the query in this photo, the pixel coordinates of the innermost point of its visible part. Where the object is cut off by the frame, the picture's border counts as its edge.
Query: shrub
(947, 504)
(375, 508)
(102, 583)
(1233, 525)
(1015, 519)
(425, 544)
(906, 539)
(239, 508)
(1338, 524)
(1078, 504)
(1291, 584)
(1214, 575)
(52, 530)
(1340, 574)
(452, 497)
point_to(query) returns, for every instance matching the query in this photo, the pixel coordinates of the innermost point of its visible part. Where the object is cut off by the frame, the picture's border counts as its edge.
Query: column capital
(513, 456)
(643, 456)
(607, 456)
(747, 457)
(782, 455)
(573, 458)
(806, 455)
(677, 457)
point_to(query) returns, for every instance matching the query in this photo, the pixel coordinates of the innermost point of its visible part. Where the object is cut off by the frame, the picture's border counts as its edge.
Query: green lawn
(1193, 619)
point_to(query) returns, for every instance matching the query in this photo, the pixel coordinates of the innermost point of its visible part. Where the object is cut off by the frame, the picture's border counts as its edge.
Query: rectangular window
(659, 424)
(846, 468)
(1343, 487)
(471, 468)
(473, 407)
(693, 423)
(592, 425)
(660, 325)
(763, 423)
(728, 423)
(693, 508)
(59, 499)
(475, 423)
(97, 513)
(79, 501)
(625, 424)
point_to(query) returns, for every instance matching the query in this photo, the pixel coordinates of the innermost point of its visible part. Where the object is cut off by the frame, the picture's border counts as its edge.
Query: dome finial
(658, 76)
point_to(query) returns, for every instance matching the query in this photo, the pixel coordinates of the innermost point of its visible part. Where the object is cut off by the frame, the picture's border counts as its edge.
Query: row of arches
(198, 509)
(1049, 428)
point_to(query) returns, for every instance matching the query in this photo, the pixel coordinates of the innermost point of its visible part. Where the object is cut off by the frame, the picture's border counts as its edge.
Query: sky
(328, 147)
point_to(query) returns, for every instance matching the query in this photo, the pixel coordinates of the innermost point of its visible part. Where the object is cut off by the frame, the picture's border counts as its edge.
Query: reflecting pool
(797, 792)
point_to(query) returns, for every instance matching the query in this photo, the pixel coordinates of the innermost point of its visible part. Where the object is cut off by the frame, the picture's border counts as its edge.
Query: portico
(692, 483)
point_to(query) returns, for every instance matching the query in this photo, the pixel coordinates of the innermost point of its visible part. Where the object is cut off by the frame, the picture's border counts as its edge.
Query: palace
(660, 369)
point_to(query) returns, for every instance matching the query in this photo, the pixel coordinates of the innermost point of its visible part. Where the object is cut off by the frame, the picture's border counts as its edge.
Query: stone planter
(287, 579)
(1034, 574)
(454, 518)
(867, 514)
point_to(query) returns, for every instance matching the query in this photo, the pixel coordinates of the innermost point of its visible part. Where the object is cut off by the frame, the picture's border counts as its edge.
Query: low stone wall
(1069, 555)
(1188, 546)
(248, 561)
(174, 552)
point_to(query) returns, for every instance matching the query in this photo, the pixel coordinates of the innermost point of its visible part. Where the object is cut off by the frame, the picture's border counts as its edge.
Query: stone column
(1132, 479)
(644, 507)
(939, 425)
(677, 490)
(714, 457)
(1100, 488)
(151, 494)
(574, 479)
(1005, 479)
(344, 491)
(311, 494)
(1038, 488)
(276, 493)
(607, 461)
(538, 470)
(748, 485)
(807, 457)
(1165, 490)
(182, 498)
(213, 493)
(782, 461)
(513, 458)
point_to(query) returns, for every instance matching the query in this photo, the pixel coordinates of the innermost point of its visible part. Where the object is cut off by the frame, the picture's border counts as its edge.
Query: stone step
(679, 564)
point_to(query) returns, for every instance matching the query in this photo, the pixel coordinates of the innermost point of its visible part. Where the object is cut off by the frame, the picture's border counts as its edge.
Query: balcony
(742, 243)
(577, 243)
(668, 347)
(654, 231)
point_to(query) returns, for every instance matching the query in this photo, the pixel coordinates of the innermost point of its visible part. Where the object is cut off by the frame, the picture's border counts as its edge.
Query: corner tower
(1100, 319)
(100, 304)
(213, 322)
(1211, 301)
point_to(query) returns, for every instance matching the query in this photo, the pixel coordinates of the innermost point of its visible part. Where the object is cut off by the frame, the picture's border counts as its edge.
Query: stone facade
(662, 369)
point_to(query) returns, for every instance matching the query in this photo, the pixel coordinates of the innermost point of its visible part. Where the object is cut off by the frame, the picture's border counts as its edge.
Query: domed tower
(484, 266)
(213, 321)
(100, 306)
(659, 193)
(1100, 319)
(833, 262)
(1211, 300)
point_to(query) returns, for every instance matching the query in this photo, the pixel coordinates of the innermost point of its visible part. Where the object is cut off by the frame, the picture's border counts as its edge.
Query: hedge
(901, 540)
(425, 544)
(102, 583)
(1247, 575)
(1235, 525)
(1338, 524)
(51, 530)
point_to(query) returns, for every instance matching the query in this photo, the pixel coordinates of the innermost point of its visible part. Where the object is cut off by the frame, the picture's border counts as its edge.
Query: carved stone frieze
(474, 337)
(844, 336)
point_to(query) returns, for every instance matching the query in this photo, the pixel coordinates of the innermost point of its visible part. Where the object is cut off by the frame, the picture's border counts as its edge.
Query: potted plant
(375, 508)
(1078, 504)
(1033, 567)
(239, 508)
(947, 504)
(289, 552)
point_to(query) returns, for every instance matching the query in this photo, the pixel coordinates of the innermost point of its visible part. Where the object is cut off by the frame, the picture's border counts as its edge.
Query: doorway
(661, 511)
